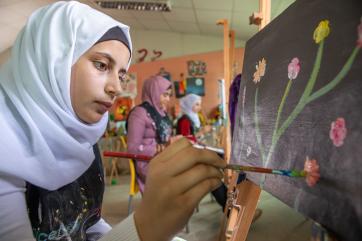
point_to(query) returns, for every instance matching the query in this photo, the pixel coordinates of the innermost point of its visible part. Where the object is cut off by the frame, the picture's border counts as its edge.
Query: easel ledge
(239, 211)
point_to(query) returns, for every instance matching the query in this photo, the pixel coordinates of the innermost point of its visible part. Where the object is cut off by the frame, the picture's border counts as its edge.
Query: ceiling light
(146, 5)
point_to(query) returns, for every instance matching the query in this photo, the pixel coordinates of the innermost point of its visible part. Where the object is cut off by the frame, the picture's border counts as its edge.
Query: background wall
(170, 44)
(175, 44)
(14, 14)
(176, 48)
(176, 66)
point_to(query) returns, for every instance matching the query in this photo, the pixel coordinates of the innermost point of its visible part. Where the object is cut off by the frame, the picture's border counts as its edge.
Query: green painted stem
(308, 96)
(302, 102)
(280, 109)
(325, 89)
(256, 119)
(313, 77)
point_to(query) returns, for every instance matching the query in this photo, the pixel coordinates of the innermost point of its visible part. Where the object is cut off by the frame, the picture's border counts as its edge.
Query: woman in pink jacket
(149, 128)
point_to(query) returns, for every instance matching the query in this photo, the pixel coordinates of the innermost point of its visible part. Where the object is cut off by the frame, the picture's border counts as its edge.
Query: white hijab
(186, 103)
(42, 141)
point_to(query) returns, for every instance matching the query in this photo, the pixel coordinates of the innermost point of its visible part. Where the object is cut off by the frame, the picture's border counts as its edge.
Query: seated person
(189, 123)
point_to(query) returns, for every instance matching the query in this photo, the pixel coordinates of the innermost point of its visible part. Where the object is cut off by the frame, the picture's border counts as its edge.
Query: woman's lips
(104, 106)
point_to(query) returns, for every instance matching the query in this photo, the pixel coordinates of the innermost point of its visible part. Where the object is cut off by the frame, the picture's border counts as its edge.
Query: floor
(277, 223)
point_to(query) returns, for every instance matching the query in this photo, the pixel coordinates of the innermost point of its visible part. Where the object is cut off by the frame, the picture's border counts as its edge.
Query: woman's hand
(161, 147)
(206, 129)
(178, 178)
(203, 131)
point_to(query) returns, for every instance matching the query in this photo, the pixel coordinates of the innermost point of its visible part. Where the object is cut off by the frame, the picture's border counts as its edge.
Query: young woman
(148, 126)
(189, 123)
(55, 92)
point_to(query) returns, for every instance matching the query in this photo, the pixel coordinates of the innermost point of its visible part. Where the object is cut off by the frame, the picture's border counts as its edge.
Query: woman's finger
(188, 179)
(193, 196)
(189, 157)
(171, 150)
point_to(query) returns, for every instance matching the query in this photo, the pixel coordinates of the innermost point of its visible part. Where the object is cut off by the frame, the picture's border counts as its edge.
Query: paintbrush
(127, 155)
(289, 173)
(146, 158)
(310, 173)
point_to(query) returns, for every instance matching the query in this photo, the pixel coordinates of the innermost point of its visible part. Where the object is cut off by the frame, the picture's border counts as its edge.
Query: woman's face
(165, 98)
(96, 79)
(197, 107)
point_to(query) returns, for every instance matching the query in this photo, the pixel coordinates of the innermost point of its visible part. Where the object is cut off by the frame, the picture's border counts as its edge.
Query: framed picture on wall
(180, 90)
(195, 85)
(196, 67)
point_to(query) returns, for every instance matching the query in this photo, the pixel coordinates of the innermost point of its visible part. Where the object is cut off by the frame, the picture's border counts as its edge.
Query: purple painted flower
(293, 68)
(359, 31)
(338, 131)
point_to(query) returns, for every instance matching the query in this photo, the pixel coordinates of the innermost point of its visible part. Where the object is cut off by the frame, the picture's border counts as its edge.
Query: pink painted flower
(311, 167)
(338, 131)
(293, 68)
(359, 31)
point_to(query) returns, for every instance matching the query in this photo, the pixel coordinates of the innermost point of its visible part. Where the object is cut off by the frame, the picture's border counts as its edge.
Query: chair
(113, 146)
(133, 187)
(109, 164)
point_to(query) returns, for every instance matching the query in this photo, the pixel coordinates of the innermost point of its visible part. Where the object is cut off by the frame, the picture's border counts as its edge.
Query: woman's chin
(91, 118)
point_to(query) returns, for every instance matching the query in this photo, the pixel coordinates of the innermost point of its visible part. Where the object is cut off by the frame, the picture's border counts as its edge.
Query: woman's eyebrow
(108, 56)
(112, 61)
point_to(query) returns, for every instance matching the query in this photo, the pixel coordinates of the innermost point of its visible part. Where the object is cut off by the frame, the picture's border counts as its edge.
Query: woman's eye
(100, 65)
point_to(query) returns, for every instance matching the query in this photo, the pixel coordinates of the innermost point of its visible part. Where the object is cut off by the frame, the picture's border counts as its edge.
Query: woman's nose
(113, 86)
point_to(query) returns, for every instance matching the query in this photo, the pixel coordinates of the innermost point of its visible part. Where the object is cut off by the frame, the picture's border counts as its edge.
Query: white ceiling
(200, 16)
(187, 16)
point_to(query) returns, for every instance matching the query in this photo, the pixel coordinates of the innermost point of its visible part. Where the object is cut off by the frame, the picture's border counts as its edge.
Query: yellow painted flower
(321, 32)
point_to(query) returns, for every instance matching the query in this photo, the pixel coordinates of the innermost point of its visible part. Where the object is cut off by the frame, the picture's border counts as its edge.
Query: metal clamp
(232, 198)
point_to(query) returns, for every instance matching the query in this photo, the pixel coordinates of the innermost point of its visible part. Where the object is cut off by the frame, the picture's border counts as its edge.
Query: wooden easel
(242, 198)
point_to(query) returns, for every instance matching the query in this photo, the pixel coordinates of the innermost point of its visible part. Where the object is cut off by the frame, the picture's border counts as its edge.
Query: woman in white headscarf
(189, 123)
(55, 92)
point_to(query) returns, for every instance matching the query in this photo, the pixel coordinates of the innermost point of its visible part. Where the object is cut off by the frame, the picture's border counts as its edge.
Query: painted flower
(321, 32)
(248, 151)
(359, 31)
(260, 70)
(338, 132)
(311, 167)
(293, 68)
